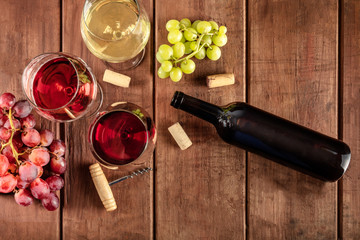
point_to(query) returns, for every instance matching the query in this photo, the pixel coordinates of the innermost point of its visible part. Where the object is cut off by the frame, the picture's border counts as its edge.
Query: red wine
(270, 136)
(56, 87)
(119, 137)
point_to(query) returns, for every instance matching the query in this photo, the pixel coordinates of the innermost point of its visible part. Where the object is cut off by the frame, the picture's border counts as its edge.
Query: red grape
(3, 119)
(39, 188)
(58, 165)
(28, 122)
(13, 168)
(55, 182)
(39, 156)
(16, 141)
(28, 171)
(46, 137)
(23, 197)
(16, 124)
(7, 151)
(7, 100)
(4, 165)
(30, 137)
(5, 134)
(7, 183)
(51, 202)
(40, 171)
(58, 147)
(21, 184)
(22, 109)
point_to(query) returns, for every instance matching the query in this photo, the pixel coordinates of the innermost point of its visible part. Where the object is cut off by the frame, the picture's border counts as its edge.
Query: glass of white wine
(116, 31)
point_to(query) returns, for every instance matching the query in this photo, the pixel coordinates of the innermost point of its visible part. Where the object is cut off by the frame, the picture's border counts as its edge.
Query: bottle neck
(196, 107)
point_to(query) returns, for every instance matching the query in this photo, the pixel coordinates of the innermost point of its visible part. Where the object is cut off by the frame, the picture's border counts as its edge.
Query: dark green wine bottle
(270, 136)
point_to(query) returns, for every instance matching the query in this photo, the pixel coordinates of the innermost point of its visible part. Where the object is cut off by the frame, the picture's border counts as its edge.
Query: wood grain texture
(84, 217)
(350, 47)
(292, 73)
(200, 192)
(24, 35)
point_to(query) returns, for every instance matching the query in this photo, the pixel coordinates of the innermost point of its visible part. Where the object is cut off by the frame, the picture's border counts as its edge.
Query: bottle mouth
(177, 99)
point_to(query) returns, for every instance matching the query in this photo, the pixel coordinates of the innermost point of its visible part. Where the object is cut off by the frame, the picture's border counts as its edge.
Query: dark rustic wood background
(297, 59)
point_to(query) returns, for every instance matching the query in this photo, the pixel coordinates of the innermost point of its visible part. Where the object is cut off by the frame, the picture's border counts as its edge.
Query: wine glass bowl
(115, 31)
(61, 87)
(122, 134)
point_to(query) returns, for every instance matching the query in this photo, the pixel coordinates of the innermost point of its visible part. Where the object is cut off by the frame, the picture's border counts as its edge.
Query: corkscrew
(132, 175)
(103, 186)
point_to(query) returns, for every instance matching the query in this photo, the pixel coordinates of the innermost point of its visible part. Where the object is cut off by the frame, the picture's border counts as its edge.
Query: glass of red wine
(61, 87)
(122, 134)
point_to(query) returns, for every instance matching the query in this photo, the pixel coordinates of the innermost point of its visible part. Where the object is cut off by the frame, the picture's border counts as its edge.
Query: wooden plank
(200, 192)
(27, 28)
(84, 217)
(350, 38)
(292, 73)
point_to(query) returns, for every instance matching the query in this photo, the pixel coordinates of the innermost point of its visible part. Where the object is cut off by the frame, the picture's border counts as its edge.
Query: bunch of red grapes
(26, 154)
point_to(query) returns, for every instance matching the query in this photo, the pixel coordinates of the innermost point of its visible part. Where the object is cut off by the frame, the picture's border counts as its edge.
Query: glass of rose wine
(61, 87)
(122, 134)
(115, 31)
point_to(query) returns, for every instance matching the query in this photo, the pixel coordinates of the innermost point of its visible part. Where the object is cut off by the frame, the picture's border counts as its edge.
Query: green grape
(174, 36)
(219, 40)
(203, 27)
(190, 34)
(159, 58)
(193, 46)
(194, 24)
(213, 52)
(176, 74)
(222, 30)
(172, 25)
(186, 22)
(166, 66)
(178, 49)
(183, 40)
(165, 52)
(188, 50)
(188, 66)
(214, 25)
(207, 39)
(201, 54)
(162, 74)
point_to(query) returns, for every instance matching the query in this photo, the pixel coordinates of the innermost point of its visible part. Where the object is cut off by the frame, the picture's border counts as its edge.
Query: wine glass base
(128, 64)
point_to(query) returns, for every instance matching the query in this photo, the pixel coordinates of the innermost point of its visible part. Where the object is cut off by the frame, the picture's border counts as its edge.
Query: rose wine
(119, 137)
(272, 137)
(114, 31)
(58, 92)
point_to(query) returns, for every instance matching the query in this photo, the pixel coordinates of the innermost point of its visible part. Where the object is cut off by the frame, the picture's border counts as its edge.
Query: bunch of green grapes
(199, 39)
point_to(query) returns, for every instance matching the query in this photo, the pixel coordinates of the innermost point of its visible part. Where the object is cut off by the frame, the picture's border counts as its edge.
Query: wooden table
(297, 59)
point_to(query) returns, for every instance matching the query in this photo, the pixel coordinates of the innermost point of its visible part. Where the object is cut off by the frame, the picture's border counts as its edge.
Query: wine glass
(121, 134)
(115, 31)
(61, 87)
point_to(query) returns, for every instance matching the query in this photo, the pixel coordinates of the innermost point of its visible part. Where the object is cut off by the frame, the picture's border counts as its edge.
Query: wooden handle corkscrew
(102, 187)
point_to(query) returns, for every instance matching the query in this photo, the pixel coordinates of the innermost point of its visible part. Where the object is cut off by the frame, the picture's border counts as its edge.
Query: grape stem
(198, 48)
(13, 130)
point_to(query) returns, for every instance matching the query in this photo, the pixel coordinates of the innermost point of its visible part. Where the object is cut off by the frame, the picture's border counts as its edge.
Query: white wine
(114, 30)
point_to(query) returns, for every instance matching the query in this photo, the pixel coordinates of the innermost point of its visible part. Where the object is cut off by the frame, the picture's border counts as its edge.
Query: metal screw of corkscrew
(132, 175)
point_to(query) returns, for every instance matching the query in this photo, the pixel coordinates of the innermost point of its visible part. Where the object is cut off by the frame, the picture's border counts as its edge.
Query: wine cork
(102, 187)
(117, 79)
(180, 136)
(220, 80)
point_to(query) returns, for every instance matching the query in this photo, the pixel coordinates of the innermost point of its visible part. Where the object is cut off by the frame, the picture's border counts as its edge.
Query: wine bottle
(272, 137)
